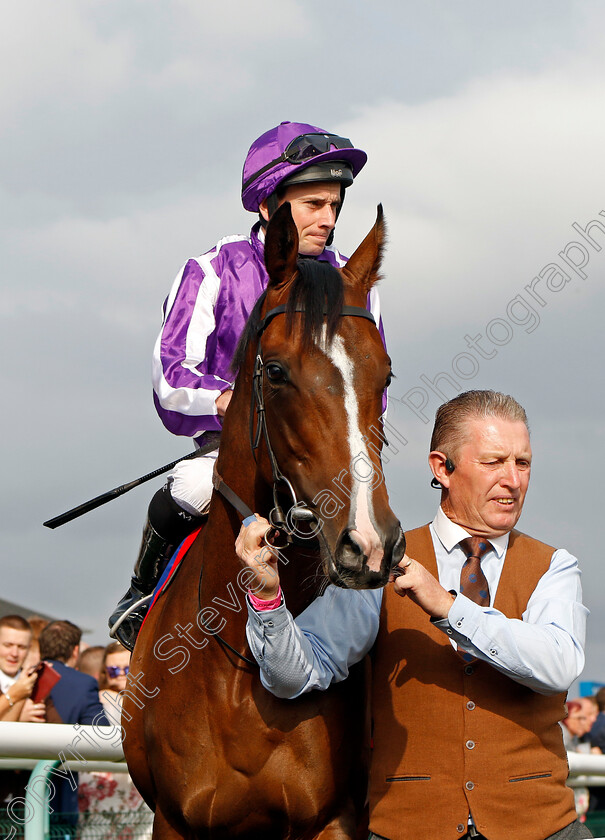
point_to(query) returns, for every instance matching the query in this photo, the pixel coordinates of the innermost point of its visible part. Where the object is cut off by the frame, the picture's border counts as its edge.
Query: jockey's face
(314, 210)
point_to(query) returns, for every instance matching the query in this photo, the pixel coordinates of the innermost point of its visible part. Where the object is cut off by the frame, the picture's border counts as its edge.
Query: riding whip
(211, 442)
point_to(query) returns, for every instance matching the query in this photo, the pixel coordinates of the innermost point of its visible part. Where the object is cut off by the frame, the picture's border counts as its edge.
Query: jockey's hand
(412, 579)
(222, 401)
(251, 548)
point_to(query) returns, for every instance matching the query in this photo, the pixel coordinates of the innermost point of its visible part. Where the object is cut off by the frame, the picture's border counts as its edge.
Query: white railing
(43, 747)
(51, 740)
(91, 748)
(586, 770)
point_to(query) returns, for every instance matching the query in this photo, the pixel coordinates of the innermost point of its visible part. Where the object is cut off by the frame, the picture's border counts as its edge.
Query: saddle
(171, 570)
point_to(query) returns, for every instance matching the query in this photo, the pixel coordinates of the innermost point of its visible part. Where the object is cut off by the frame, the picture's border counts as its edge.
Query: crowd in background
(85, 685)
(584, 732)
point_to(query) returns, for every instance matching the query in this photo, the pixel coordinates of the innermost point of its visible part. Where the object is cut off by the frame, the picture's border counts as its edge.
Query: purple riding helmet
(294, 153)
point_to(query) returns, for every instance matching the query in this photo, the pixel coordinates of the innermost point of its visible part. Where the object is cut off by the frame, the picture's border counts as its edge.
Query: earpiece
(450, 467)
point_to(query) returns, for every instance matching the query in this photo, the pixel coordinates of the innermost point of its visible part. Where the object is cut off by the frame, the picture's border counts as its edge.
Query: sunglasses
(302, 148)
(114, 671)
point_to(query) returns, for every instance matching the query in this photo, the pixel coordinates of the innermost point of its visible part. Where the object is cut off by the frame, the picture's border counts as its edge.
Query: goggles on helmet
(304, 148)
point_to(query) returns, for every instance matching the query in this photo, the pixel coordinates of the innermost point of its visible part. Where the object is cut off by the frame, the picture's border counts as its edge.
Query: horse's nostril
(349, 553)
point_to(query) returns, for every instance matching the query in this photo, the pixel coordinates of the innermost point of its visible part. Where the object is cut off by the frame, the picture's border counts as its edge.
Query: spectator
(103, 792)
(597, 745)
(75, 696)
(574, 726)
(591, 710)
(17, 682)
(74, 699)
(37, 624)
(33, 656)
(90, 661)
(597, 732)
(116, 663)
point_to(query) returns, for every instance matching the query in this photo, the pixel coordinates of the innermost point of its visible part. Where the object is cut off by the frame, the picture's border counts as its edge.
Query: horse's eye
(275, 373)
(389, 379)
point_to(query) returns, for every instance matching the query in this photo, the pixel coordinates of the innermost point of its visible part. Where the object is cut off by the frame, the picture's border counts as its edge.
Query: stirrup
(142, 602)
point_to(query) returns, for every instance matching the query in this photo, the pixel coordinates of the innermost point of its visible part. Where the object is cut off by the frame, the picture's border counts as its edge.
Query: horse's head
(321, 371)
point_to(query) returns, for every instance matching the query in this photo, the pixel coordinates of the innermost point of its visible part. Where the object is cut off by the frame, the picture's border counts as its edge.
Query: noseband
(299, 511)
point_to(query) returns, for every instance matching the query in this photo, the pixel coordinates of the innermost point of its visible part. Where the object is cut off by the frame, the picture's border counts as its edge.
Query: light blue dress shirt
(544, 650)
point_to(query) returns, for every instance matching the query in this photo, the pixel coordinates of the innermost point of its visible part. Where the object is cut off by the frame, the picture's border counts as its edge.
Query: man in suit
(74, 699)
(76, 696)
(476, 641)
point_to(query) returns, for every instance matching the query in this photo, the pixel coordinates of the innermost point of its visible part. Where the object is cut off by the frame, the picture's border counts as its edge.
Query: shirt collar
(450, 534)
(6, 681)
(259, 231)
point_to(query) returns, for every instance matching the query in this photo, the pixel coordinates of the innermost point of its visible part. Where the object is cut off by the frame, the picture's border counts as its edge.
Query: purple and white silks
(204, 317)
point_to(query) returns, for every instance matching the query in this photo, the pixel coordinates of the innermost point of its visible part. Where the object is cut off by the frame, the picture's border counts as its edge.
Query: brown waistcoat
(452, 737)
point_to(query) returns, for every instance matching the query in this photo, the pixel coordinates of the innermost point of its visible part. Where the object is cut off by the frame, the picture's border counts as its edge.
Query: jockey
(204, 317)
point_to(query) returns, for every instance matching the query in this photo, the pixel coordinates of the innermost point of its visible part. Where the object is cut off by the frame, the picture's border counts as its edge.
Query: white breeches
(191, 483)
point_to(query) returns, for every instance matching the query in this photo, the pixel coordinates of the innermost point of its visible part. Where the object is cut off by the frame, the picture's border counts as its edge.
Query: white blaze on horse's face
(362, 511)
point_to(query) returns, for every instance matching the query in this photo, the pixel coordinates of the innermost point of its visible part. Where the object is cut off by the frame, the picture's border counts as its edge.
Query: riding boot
(166, 527)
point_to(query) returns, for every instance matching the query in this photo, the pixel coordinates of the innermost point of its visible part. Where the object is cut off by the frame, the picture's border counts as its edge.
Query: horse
(214, 754)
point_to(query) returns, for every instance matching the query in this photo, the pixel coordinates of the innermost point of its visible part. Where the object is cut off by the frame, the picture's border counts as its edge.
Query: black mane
(317, 290)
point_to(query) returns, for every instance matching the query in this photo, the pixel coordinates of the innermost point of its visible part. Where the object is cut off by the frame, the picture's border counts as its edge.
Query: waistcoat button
(470, 745)
(460, 827)
(470, 705)
(469, 670)
(469, 785)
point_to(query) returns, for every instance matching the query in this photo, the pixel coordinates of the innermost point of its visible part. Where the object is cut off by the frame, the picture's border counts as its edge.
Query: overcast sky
(124, 128)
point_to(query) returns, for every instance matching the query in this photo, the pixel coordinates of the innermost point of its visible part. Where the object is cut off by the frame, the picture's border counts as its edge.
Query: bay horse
(212, 752)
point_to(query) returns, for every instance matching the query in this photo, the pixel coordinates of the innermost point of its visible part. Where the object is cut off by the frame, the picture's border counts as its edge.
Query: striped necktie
(473, 583)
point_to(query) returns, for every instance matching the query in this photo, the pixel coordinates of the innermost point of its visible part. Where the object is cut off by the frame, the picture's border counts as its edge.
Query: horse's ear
(364, 265)
(281, 246)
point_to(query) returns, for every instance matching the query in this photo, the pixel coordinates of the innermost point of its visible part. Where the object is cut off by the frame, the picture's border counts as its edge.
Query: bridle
(299, 510)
